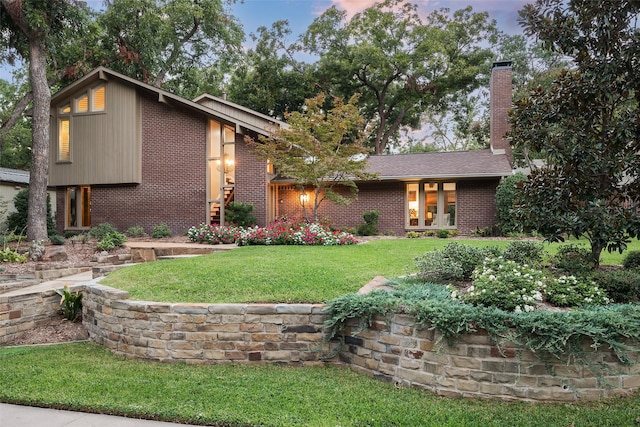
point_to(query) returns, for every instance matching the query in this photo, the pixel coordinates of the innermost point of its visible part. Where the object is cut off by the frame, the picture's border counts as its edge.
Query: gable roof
(231, 113)
(440, 165)
(14, 176)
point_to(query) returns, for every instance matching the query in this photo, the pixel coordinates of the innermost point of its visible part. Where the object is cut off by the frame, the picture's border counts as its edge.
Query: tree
(400, 65)
(587, 124)
(319, 149)
(15, 129)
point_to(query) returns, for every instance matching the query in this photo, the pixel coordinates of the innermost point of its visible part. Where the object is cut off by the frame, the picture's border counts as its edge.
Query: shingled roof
(440, 165)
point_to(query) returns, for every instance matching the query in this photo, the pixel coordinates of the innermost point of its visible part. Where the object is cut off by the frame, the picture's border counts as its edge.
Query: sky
(300, 13)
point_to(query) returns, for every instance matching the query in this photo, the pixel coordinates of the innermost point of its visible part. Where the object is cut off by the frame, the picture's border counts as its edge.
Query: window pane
(63, 140)
(82, 104)
(413, 204)
(229, 160)
(98, 99)
(214, 139)
(430, 204)
(85, 193)
(214, 179)
(72, 207)
(229, 134)
(65, 109)
(450, 204)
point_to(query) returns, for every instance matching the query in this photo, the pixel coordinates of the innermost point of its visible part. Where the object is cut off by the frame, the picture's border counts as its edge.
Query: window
(220, 170)
(64, 153)
(431, 205)
(82, 104)
(97, 96)
(78, 212)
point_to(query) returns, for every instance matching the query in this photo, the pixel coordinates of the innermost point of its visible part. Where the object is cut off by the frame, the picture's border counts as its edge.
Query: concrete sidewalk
(28, 416)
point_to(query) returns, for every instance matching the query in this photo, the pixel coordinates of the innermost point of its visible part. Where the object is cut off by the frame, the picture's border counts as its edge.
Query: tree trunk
(37, 214)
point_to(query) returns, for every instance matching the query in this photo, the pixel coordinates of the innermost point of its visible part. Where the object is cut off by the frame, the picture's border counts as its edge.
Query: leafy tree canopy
(586, 122)
(319, 150)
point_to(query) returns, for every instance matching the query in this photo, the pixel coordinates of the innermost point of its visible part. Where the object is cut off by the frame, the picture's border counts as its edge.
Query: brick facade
(251, 180)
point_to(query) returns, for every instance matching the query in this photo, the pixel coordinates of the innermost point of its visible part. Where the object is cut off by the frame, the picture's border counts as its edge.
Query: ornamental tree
(586, 123)
(320, 149)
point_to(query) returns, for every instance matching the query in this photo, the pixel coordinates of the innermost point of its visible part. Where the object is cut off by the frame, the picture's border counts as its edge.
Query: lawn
(88, 377)
(288, 274)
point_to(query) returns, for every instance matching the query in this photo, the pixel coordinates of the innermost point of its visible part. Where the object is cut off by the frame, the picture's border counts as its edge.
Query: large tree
(401, 64)
(586, 122)
(319, 150)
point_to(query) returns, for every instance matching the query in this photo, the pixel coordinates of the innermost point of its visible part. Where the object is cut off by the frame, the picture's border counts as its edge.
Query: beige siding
(105, 146)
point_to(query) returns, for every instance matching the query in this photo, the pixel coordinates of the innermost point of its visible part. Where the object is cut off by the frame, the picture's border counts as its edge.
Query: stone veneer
(394, 351)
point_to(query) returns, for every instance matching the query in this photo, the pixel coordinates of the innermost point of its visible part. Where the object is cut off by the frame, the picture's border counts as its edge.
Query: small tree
(319, 149)
(17, 221)
(506, 195)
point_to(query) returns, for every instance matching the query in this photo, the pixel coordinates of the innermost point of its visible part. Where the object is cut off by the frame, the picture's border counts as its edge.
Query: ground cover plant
(266, 395)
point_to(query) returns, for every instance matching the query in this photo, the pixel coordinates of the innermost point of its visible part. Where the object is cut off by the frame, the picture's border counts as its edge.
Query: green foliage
(524, 252)
(135, 231)
(111, 241)
(240, 214)
(506, 285)
(56, 239)
(320, 150)
(506, 195)
(588, 185)
(101, 230)
(570, 291)
(369, 228)
(557, 334)
(455, 262)
(161, 230)
(17, 221)
(631, 260)
(11, 255)
(572, 259)
(622, 286)
(213, 234)
(443, 234)
(71, 303)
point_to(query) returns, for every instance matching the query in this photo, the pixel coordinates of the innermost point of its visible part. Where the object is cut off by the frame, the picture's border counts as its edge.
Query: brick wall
(476, 204)
(251, 179)
(395, 351)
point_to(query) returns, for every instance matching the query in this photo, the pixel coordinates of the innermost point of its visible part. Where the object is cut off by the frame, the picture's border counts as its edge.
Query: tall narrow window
(220, 170)
(64, 153)
(430, 204)
(82, 104)
(97, 96)
(78, 207)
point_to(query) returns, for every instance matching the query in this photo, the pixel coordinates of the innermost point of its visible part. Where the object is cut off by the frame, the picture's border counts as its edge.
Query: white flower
(528, 308)
(518, 309)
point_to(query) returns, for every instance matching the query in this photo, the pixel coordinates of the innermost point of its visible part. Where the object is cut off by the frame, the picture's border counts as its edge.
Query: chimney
(500, 94)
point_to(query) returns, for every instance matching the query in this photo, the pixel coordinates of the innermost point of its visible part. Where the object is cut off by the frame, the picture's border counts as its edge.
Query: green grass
(288, 274)
(88, 377)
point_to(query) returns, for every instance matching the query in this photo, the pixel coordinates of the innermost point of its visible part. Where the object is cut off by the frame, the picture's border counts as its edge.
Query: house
(131, 154)
(12, 181)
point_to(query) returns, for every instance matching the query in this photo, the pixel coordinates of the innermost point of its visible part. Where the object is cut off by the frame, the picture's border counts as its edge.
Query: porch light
(304, 198)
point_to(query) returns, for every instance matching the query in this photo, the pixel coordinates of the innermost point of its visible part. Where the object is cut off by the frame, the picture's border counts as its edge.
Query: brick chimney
(500, 93)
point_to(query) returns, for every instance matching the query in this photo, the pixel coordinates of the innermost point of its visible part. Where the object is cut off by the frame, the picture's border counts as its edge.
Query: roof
(231, 115)
(14, 175)
(440, 165)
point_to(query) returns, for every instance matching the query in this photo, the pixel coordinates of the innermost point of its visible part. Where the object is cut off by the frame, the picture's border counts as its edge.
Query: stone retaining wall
(396, 352)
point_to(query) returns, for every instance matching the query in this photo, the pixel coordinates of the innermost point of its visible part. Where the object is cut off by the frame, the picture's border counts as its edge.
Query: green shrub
(71, 303)
(524, 252)
(213, 234)
(573, 259)
(506, 195)
(56, 239)
(413, 234)
(111, 241)
(70, 234)
(11, 255)
(469, 257)
(240, 214)
(443, 234)
(622, 286)
(99, 231)
(571, 291)
(631, 260)
(17, 221)
(369, 228)
(135, 231)
(160, 231)
(455, 262)
(506, 285)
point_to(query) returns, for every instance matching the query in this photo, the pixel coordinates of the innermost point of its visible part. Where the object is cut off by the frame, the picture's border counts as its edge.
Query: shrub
(293, 232)
(240, 214)
(413, 234)
(506, 195)
(111, 241)
(213, 234)
(11, 255)
(467, 256)
(506, 285)
(622, 286)
(571, 291)
(99, 231)
(573, 259)
(17, 221)
(524, 252)
(631, 260)
(71, 303)
(443, 234)
(135, 231)
(56, 239)
(455, 262)
(369, 228)
(160, 231)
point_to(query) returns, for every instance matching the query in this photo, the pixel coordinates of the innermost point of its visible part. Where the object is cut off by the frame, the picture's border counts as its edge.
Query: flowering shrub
(213, 234)
(293, 232)
(567, 291)
(504, 284)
